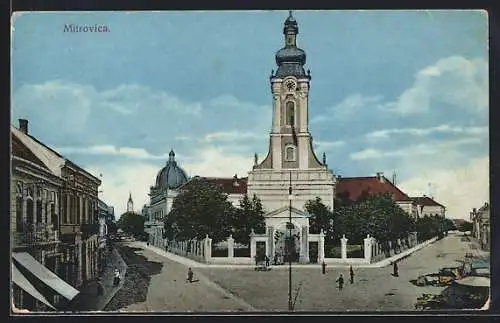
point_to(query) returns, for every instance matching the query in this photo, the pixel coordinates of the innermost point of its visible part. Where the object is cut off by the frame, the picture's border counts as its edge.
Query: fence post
(230, 246)
(208, 248)
(368, 248)
(253, 246)
(321, 247)
(343, 247)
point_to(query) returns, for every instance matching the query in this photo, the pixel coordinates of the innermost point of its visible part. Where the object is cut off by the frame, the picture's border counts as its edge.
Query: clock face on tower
(290, 85)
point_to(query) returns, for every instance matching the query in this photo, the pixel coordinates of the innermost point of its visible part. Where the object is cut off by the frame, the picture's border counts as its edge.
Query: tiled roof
(228, 185)
(426, 201)
(353, 188)
(20, 150)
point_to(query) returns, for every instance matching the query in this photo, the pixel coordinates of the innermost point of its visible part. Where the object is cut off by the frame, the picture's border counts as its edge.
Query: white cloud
(328, 145)
(455, 81)
(136, 153)
(420, 132)
(233, 135)
(353, 103)
(458, 188)
(431, 148)
(121, 177)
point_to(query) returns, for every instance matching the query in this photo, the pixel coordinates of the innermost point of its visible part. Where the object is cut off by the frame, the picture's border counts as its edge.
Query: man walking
(323, 267)
(395, 269)
(340, 281)
(351, 275)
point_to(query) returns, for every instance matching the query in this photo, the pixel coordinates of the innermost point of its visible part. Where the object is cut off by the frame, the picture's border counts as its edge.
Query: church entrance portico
(279, 242)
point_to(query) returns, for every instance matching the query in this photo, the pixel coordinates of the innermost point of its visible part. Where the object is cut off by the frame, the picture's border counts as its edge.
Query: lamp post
(290, 303)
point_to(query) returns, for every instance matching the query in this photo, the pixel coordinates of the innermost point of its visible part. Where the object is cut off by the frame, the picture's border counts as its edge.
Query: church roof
(353, 188)
(426, 201)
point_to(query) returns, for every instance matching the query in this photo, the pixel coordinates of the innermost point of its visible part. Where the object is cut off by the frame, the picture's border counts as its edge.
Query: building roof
(171, 176)
(19, 149)
(354, 188)
(426, 201)
(232, 185)
(229, 185)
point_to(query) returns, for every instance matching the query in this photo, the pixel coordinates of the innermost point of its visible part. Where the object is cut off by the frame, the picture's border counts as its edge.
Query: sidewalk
(89, 300)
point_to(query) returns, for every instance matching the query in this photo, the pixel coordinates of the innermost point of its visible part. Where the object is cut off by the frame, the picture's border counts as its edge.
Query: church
(291, 173)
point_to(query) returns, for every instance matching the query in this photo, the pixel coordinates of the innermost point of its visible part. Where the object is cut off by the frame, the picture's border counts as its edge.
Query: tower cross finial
(290, 13)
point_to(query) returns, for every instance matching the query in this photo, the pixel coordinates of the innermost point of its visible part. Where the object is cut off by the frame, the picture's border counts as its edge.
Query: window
(29, 211)
(290, 113)
(290, 153)
(53, 216)
(39, 211)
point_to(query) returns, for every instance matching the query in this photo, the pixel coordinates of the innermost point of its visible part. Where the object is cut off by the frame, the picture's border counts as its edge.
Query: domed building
(168, 181)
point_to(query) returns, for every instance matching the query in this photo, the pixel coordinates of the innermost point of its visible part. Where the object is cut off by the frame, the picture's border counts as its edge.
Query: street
(157, 284)
(163, 286)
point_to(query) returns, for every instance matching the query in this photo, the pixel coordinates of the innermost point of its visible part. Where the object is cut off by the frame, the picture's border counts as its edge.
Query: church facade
(290, 175)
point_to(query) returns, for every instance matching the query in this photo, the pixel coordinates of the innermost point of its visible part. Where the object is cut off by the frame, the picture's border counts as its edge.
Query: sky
(402, 92)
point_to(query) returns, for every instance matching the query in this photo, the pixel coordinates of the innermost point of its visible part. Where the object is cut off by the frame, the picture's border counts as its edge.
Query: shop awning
(45, 275)
(25, 285)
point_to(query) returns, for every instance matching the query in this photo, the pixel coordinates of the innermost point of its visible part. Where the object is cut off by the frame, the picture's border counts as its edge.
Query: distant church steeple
(130, 203)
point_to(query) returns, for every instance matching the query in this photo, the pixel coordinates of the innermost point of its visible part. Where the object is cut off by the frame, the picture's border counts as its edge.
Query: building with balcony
(53, 224)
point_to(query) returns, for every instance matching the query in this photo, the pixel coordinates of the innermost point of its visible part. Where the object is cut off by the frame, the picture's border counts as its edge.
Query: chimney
(23, 126)
(380, 177)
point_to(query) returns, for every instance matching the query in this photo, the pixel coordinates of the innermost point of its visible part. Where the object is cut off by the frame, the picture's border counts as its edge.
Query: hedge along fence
(355, 251)
(242, 251)
(220, 250)
(333, 251)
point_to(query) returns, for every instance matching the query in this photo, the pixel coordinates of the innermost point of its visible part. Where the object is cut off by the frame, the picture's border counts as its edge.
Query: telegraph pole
(290, 301)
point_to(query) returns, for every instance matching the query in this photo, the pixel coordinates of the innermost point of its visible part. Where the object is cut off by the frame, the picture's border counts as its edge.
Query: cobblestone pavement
(157, 284)
(373, 288)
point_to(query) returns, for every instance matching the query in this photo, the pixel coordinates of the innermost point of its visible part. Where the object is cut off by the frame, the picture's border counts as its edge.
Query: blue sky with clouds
(403, 91)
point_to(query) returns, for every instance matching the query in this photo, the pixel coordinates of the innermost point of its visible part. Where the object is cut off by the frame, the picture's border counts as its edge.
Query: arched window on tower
(290, 113)
(290, 153)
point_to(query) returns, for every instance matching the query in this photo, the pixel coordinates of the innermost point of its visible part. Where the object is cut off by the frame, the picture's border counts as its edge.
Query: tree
(321, 215)
(201, 208)
(249, 215)
(132, 223)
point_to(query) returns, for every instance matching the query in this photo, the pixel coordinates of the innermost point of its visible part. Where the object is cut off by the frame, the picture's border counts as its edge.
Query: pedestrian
(340, 280)
(190, 275)
(323, 267)
(256, 261)
(100, 289)
(395, 269)
(267, 261)
(116, 280)
(275, 259)
(351, 274)
(147, 243)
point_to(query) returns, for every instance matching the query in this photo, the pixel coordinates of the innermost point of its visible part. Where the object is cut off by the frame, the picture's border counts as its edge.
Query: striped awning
(45, 275)
(24, 284)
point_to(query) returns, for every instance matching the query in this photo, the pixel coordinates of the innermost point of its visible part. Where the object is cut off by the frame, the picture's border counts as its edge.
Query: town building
(53, 224)
(106, 216)
(427, 206)
(481, 225)
(354, 189)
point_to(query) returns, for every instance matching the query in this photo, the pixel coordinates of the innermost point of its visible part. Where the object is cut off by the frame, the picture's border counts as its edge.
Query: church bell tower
(290, 140)
(130, 203)
(291, 156)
